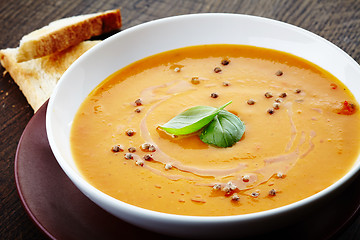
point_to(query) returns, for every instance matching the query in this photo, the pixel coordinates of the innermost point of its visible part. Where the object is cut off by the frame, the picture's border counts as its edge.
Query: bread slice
(37, 77)
(66, 32)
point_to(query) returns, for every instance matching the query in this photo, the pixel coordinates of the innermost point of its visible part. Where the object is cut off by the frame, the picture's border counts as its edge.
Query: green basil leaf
(192, 119)
(224, 130)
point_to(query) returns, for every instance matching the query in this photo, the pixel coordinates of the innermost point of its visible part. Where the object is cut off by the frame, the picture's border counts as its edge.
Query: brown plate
(61, 211)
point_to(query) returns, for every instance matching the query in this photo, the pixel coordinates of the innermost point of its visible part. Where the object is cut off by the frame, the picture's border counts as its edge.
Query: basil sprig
(220, 127)
(224, 130)
(192, 119)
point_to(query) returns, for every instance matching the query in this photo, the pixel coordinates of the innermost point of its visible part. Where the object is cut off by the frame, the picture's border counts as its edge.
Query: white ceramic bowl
(175, 32)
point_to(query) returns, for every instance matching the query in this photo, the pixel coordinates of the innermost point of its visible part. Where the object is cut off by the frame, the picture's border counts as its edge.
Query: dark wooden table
(336, 20)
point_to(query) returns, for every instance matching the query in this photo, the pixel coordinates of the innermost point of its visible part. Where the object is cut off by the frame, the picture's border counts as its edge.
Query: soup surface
(302, 131)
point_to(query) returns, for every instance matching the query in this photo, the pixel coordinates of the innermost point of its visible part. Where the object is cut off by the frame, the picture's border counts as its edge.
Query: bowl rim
(186, 218)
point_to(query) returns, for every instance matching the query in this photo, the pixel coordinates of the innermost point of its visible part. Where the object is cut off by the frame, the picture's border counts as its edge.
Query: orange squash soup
(302, 129)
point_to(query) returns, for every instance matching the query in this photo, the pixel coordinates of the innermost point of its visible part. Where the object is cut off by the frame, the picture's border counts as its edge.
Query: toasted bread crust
(70, 35)
(38, 77)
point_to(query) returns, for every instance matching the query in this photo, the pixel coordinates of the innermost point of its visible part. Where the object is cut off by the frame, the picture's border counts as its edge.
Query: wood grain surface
(336, 20)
